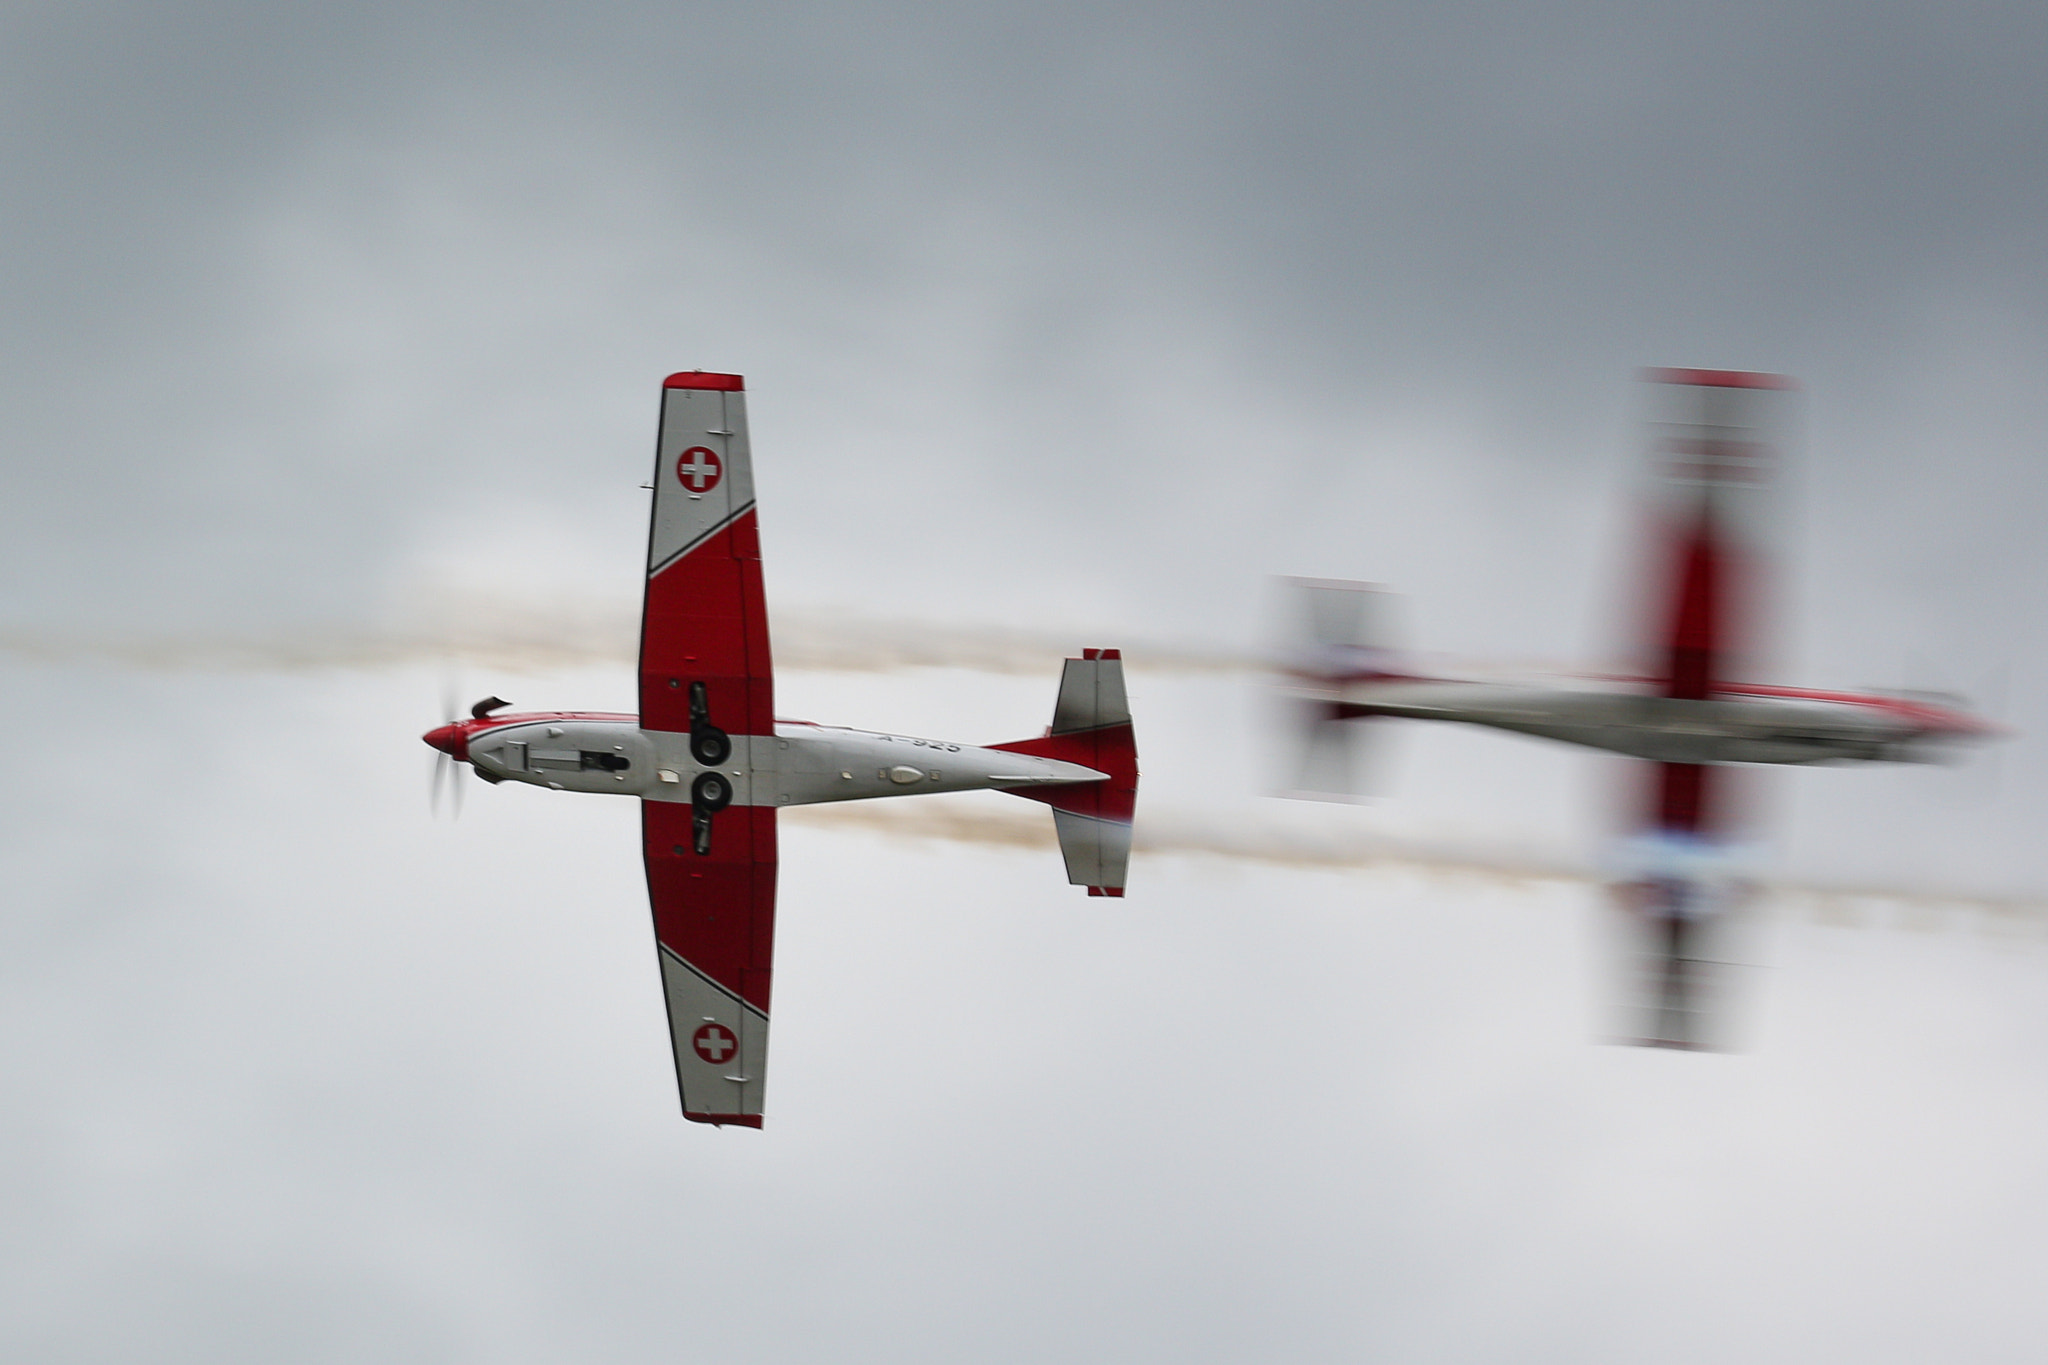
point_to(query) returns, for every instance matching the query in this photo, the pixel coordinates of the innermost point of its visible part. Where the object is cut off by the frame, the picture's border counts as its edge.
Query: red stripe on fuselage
(1924, 713)
(1722, 379)
(457, 734)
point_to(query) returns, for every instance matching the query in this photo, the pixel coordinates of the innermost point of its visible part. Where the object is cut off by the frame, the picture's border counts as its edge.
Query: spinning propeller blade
(447, 775)
(445, 778)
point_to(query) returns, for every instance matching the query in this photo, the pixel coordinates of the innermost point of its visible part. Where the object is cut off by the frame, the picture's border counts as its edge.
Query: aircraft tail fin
(1336, 632)
(1326, 754)
(1091, 725)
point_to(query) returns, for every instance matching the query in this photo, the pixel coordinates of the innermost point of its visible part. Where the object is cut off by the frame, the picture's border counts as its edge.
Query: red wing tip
(1116, 891)
(1102, 654)
(721, 1120)
(1722, 379)
(704, 379)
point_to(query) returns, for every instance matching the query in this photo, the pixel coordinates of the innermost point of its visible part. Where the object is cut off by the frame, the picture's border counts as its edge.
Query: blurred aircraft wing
(1717, 437)
(705, 672)
(1717, 440)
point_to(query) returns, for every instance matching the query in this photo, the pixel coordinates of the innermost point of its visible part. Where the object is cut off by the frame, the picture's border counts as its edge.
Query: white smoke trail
(535, 636)
(1169, 833)
(532, 637)
(1279, 843)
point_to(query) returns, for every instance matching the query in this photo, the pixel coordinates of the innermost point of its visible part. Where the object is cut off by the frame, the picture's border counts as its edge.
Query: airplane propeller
(446, 777)
(444, 764)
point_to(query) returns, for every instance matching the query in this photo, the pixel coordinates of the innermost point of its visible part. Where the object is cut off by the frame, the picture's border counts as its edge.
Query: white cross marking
(702, 471)
(713, 1043)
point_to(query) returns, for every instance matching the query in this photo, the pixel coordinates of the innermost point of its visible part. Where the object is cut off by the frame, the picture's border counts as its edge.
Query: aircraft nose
(450, 739)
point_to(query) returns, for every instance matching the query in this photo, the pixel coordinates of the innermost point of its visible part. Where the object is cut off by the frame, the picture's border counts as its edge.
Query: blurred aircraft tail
(1335, 633)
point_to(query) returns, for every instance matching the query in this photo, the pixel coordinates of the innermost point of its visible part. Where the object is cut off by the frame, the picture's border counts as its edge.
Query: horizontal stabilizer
(1098, 852)
(1326, 751)
(1336, 634)
(1091, 693)
(1337, 631)
(1092, 727)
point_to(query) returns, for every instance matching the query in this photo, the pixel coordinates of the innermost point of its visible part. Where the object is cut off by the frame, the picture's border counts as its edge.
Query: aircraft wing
(1717, 439)
(705, 618)
(714, 927)
(705, 674)
(1717, 442)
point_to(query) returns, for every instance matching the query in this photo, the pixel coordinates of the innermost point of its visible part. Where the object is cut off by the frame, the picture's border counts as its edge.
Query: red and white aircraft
(711, 764)
(1715, 436)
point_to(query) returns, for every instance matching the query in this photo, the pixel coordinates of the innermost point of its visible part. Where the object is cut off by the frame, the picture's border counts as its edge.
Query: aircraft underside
(1716, 440)
(711, 764)
(1660, 729)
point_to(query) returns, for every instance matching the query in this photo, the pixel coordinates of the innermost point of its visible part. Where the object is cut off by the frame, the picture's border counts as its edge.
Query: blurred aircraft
(711, 763)
(1688, 711)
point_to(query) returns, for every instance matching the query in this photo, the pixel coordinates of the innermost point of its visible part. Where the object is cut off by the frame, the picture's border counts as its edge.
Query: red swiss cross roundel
(699, 468)
(715, 1043)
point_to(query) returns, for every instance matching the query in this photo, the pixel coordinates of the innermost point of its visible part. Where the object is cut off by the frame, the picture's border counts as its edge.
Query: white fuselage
(1727, 728)
(801, 764)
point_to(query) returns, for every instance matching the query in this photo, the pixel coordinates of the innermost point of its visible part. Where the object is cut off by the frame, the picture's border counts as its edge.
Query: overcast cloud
(1058, 322)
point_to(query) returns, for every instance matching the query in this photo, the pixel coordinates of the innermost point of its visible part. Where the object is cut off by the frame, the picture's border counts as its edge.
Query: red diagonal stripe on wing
(715, 911)
(706, 619)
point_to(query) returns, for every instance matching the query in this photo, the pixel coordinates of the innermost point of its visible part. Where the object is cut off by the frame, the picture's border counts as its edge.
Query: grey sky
(1055, 319)
(364, 288)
